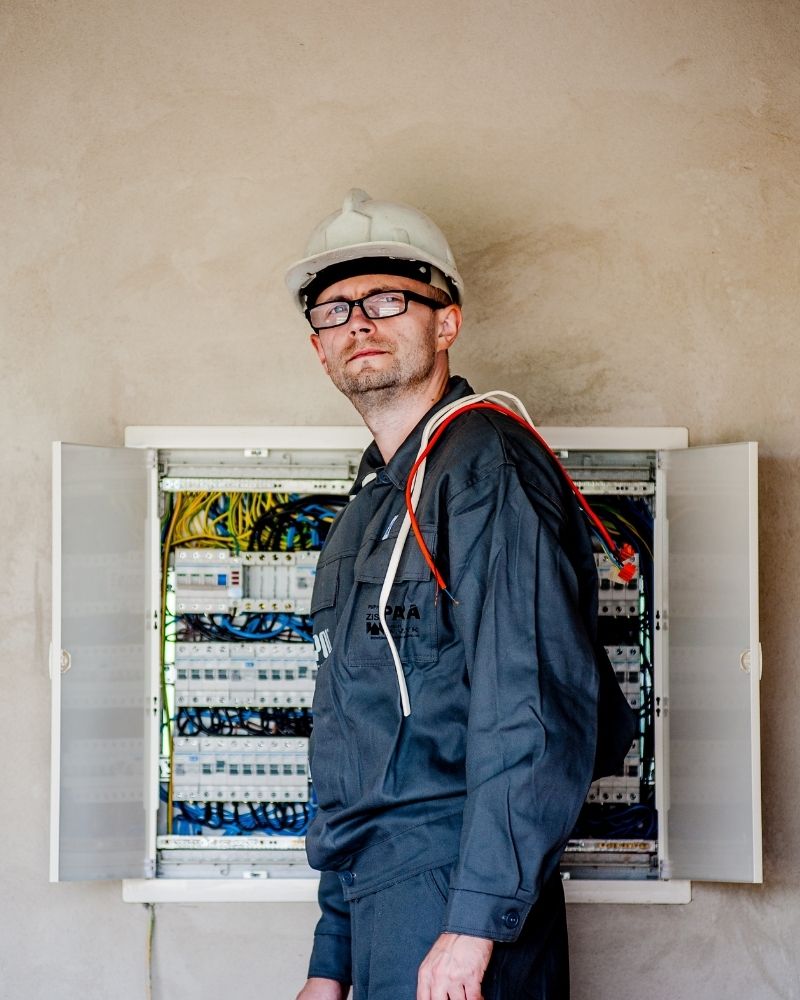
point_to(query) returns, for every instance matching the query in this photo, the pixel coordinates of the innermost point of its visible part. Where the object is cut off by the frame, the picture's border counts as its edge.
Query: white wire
(416, 489)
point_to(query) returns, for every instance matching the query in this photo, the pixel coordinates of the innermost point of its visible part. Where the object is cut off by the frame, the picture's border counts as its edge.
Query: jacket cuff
(330, 958)
(483, 915)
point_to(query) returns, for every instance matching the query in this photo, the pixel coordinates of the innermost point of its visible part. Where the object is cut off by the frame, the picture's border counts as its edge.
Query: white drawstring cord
(405, 527)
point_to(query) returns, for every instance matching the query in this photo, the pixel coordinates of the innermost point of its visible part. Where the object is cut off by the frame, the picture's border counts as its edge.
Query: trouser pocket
(438, 881)
(393, 930)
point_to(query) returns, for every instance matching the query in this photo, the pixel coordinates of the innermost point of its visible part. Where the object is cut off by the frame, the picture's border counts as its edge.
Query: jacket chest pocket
(410, 611)
(325, 600)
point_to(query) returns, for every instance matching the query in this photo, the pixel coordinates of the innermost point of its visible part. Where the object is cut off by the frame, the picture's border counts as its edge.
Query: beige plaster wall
(620, 183)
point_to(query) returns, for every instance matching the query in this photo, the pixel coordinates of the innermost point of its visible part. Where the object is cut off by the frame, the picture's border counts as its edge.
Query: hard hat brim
(301, 274)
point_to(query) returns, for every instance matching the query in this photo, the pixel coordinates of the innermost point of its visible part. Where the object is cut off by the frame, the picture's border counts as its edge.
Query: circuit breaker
(183, 662)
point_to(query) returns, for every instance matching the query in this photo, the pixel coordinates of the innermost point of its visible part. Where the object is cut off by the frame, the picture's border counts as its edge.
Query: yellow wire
(195, 526)
(164, 693)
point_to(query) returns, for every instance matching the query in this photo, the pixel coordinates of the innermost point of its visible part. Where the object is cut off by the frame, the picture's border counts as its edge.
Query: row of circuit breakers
(281, 675)
(213, 581)
(242, 675)
(621, 602)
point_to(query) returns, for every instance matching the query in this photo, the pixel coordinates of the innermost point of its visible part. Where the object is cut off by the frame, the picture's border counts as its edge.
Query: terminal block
(626, 662)
(278, 581)
(248, 674)
(240, 769)
(215, 581)
(624, 787)
(616, 598)
(207, 581)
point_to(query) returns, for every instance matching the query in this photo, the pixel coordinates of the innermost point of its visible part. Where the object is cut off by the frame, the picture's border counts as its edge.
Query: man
(448, 780)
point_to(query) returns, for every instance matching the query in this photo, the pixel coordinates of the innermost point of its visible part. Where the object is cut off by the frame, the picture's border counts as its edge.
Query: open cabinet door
(712, 720)
(102, 630)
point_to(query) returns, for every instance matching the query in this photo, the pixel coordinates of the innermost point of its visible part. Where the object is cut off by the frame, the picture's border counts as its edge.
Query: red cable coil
(627, 569)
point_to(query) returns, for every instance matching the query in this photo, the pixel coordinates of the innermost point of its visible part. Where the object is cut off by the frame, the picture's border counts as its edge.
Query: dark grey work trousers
(393, 930)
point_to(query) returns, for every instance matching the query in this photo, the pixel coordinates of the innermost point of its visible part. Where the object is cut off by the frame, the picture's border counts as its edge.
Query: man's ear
(317, 345)
(448, 323)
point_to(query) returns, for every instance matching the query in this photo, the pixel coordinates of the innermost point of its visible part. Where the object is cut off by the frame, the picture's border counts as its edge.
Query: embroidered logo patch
(322, 644)
(401, 618)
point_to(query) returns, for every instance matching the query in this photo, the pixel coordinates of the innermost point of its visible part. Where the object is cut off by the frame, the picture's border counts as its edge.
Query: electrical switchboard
(183, 664)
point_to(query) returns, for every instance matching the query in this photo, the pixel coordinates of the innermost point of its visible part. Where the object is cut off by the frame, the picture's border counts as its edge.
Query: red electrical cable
(622, 555)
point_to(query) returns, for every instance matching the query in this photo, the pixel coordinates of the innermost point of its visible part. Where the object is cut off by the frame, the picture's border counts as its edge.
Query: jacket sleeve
(532, 722)
(330, 956)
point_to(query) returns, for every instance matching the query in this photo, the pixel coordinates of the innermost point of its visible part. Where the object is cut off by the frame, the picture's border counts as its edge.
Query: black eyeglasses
(379, 305)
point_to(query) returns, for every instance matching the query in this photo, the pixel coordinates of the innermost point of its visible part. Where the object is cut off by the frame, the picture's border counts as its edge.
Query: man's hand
(454, 968)
(323, 989)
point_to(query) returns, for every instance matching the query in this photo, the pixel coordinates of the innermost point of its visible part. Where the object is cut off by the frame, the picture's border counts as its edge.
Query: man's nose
(359, 320)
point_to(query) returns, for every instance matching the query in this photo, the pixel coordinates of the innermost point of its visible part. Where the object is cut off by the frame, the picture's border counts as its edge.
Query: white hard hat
(393, 239)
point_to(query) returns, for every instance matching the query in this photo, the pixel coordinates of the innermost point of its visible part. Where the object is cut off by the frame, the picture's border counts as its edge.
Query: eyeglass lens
(381, 305)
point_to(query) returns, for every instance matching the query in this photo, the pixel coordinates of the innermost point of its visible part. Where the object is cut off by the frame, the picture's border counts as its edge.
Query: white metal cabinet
(106, 690)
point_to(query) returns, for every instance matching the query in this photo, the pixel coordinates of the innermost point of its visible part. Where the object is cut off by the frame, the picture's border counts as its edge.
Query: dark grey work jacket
(492, 766)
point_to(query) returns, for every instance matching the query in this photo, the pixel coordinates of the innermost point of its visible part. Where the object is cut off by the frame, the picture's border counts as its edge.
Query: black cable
(269, 529)
(233, 722)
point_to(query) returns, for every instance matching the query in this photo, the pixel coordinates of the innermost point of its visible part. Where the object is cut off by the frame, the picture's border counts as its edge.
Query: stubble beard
(371, 388)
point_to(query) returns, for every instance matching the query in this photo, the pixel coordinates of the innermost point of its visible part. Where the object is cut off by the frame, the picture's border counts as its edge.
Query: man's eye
(336, 309)
(390, 298)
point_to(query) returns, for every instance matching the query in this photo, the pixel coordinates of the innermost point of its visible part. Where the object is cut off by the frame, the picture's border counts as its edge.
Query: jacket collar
(398, 468)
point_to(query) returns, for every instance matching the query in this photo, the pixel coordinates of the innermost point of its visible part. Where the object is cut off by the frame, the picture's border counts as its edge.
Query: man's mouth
(368, 352)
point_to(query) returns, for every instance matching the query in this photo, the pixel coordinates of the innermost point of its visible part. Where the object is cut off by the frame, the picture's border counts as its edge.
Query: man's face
(365, 355)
